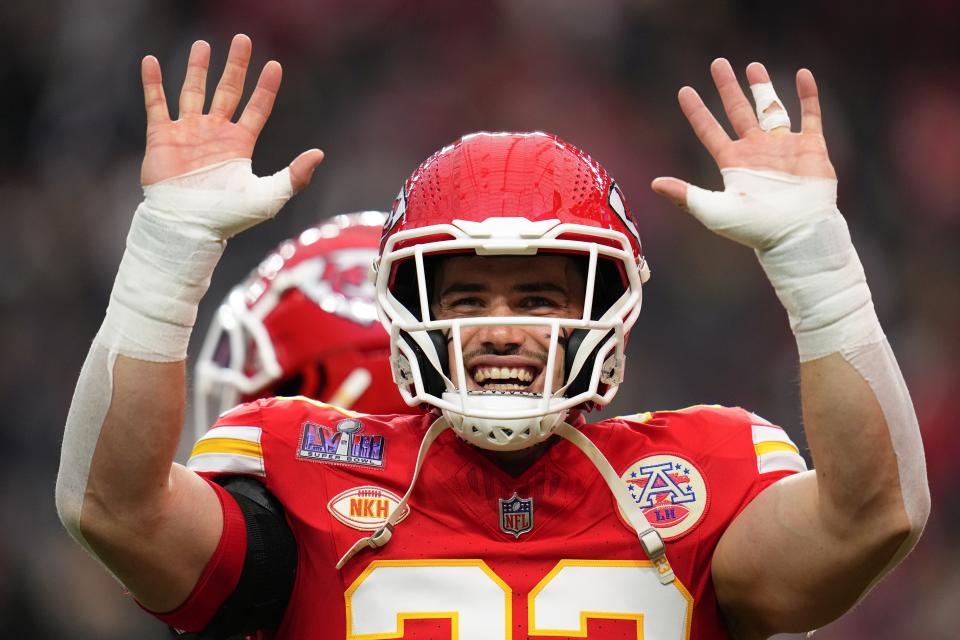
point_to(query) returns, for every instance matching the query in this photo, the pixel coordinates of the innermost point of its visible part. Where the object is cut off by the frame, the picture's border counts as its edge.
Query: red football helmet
(510, 194)
(303, 323)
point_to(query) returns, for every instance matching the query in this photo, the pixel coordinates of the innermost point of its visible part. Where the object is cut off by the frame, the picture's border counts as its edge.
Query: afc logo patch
(341, 444)
(670, 492)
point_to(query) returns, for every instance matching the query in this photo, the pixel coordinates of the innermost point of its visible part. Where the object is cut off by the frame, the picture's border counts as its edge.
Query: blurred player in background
(304, 323)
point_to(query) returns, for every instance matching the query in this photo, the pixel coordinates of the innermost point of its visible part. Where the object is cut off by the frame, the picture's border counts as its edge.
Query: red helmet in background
(496, 194)
(303, 323)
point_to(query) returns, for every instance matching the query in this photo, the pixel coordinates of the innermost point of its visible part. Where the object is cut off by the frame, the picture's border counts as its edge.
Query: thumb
(672, 189)
(302, 168)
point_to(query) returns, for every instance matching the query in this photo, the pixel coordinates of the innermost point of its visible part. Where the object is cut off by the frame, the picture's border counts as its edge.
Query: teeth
(482, 374)
(505, 387)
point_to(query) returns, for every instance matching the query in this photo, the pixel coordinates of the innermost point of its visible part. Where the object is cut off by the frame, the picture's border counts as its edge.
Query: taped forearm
(877, 365)
(176, 238)
(164, 273)
(804, 247)
(819, 279)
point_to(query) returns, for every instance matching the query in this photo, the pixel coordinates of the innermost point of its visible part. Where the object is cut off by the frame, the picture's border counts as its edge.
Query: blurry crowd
(379, 86)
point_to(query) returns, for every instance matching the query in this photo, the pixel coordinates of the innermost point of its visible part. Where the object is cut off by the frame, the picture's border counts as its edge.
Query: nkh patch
(670, 492)
(516, 515)
(341, 444)
(365, 508)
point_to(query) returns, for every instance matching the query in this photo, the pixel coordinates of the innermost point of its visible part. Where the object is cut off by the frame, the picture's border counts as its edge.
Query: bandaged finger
(771, 114)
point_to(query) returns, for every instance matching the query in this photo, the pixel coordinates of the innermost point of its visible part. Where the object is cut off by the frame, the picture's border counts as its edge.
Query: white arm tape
(91, 400)
(804, 247)
(878, 366)
(176, 238)
(765, 97)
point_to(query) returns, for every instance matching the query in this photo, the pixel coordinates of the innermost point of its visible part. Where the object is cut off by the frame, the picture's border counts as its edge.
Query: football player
(509, 275)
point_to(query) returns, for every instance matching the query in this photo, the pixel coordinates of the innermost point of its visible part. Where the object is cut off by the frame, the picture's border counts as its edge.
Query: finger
(194, 89)
(735, 103)
(771, 113)
(258, 108)
(230, 89)
(302, 168)
(704, 125)
(153, 97)
(672, 189)
(810, 120)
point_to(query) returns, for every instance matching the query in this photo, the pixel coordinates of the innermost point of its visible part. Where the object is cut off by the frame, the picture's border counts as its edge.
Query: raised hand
(197, 139)
(764, 167)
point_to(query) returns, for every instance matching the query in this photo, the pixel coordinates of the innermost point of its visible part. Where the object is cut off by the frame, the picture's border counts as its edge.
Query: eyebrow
(523, 287)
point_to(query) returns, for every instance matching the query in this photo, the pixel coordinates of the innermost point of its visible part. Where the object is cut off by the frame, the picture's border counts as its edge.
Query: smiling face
(508, 357)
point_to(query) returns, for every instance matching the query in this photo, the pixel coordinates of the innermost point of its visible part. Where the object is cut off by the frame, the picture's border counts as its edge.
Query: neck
(515, 463)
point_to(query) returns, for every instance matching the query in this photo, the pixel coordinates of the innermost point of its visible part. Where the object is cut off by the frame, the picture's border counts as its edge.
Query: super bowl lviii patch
(343, 444)
(516, 515)
(670, 492)
(365, 508)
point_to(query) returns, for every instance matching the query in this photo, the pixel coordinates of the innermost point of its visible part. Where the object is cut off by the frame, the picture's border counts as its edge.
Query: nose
(499, 338)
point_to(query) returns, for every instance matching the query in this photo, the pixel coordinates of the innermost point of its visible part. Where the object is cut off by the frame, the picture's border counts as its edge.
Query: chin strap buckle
(656, 550)
(378, 539)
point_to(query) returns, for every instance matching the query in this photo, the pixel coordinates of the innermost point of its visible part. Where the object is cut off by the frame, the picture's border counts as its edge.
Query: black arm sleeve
(269, 567)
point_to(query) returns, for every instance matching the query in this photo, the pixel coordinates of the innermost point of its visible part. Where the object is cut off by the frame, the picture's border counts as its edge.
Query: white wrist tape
(804, 247)
(765, 97)
(176, 239)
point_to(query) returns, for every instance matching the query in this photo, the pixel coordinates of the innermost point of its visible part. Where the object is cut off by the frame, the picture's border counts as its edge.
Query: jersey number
(477, 601)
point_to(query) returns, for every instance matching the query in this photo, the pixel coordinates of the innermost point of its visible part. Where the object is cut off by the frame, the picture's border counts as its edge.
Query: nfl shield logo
(516, 515)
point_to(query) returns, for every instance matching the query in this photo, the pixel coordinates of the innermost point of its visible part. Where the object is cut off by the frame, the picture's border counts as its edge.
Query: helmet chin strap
(650, 539)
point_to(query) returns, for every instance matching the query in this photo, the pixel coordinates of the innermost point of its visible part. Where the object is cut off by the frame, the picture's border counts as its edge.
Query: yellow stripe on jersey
(775, 451)
(636, 417)
(227, 445)
(229, 449)
(770, 447)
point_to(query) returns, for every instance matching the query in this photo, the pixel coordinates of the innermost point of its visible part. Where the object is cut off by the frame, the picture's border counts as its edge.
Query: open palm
(197, 139)
(800, 154)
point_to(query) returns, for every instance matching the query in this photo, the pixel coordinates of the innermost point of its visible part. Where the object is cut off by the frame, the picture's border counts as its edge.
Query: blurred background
(380, 85)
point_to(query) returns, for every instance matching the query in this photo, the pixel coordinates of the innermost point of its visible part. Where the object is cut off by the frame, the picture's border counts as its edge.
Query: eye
(541, 303)
(464, 303)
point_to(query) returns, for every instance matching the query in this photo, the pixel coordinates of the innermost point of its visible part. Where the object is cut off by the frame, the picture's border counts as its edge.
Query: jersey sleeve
(247, 583)
(775, 454)
(221, 575)
(233, 446)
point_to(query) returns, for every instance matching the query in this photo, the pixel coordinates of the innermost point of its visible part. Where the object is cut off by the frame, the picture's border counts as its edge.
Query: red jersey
(482, 554)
